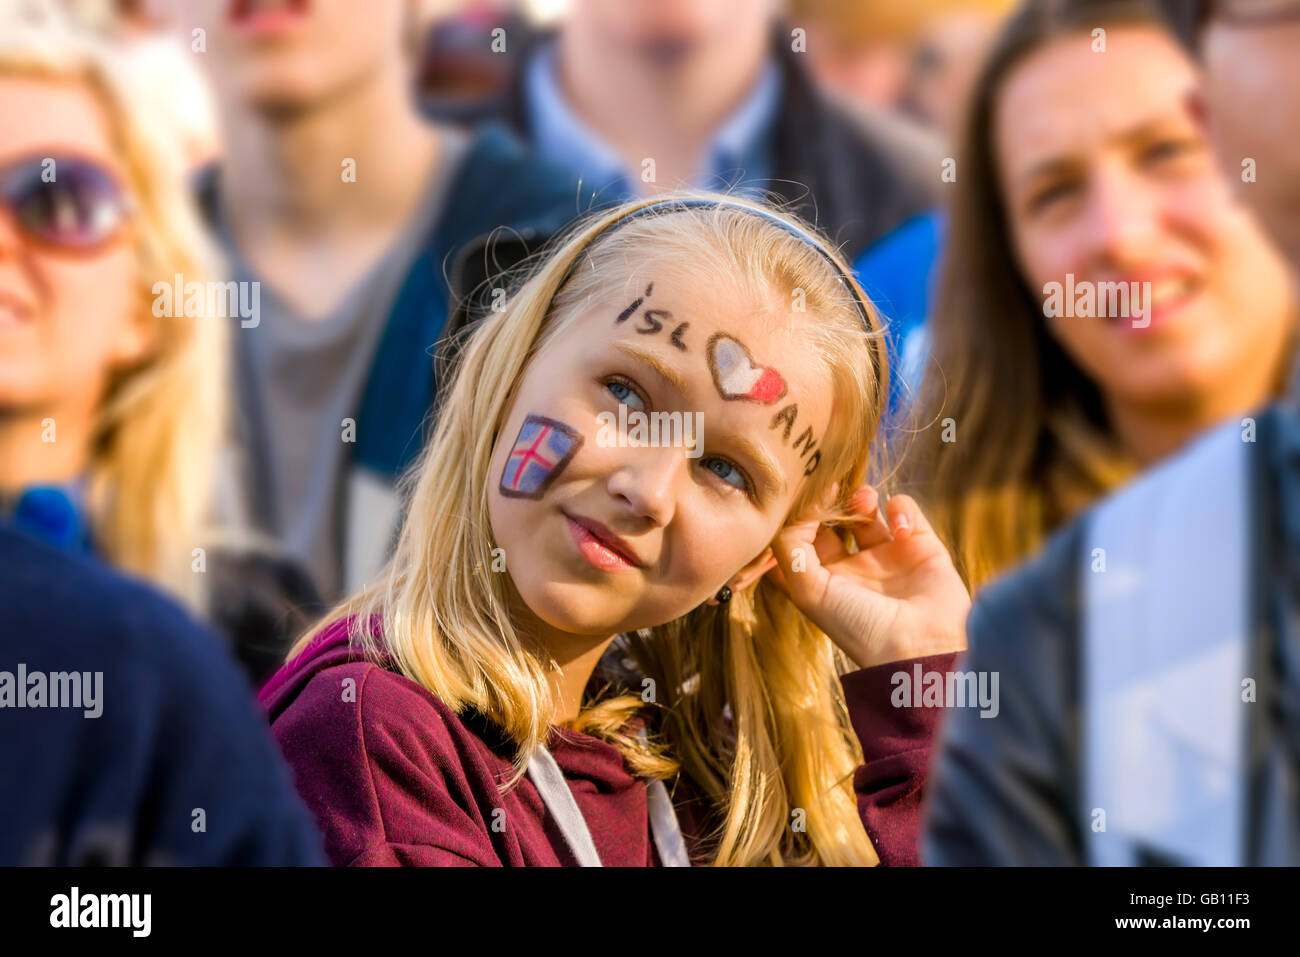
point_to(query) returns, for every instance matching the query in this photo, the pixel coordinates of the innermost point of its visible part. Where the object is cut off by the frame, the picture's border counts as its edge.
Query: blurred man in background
(642, 97)
(347, 207)
(1149, 657)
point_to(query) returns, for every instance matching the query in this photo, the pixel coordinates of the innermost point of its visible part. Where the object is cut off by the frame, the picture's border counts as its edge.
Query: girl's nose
(647, 482)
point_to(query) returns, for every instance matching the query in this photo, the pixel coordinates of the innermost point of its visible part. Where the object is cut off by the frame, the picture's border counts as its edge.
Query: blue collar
(52, 514)
(738, 155)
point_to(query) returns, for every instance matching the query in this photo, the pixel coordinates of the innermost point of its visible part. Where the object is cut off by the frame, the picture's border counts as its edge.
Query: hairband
(793, 230)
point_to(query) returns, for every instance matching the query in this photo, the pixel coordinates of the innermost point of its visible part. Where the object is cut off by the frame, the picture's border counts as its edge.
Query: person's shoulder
(1033, 606)
(169, 703)
(80, 604)
(354, 703)
(513, 186)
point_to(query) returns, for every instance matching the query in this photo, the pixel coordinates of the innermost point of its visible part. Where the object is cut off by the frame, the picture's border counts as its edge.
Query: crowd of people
(316, 545)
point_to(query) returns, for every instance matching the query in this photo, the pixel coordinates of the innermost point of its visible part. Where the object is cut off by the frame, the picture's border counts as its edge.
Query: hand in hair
(896, 597)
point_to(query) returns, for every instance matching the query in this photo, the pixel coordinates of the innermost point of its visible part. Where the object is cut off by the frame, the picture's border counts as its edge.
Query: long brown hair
(1012, 436)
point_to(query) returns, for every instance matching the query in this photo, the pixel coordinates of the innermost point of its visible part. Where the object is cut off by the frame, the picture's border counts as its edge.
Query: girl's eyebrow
(764, 464)
(663, 369)
(768, 470)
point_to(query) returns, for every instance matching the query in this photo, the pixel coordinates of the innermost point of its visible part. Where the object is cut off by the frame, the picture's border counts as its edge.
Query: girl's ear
(755, 570)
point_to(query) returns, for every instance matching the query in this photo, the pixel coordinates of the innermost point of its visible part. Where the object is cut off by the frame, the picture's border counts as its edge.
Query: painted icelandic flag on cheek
(541, 451)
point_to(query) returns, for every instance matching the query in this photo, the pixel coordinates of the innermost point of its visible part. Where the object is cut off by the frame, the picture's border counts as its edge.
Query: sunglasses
(66, 204)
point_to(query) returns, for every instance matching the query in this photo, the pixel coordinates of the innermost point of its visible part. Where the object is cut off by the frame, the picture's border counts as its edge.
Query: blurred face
(68, 317)
(667, 29)
(1253, 74)
(289, 55)
(600, 538)
(1106, 175)
(944, 65)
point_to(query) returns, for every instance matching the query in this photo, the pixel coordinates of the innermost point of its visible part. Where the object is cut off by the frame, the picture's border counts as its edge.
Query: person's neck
(577, 657)
(34, 451)
(668, 112)
(284, 173)
(1150, 433)
(574, 658)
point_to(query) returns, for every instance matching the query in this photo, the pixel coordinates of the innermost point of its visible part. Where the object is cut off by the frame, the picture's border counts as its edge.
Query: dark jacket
(177, 766)
(1012, 790)
(258, 601)
(855, 173)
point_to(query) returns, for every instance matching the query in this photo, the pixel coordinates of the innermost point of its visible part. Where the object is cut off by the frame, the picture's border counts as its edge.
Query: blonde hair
(162, 421)
(445, 617)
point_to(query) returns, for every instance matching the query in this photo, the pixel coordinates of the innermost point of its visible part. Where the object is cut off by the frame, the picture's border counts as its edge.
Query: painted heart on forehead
(738, 376)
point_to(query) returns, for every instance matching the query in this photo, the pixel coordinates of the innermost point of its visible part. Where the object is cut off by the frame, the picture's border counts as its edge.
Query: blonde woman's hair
(445, 616)
(162, 421)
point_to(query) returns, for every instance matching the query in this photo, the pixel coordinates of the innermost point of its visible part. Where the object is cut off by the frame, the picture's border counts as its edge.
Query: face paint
(787, 416)
(653, 319)
(737, 376)
(636, 304)
(541, 451)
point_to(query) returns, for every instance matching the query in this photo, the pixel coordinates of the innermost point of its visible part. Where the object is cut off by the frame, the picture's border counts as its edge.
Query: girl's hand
(897, 597)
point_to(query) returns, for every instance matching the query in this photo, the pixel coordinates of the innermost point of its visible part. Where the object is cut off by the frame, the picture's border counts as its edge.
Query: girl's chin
(584, 609)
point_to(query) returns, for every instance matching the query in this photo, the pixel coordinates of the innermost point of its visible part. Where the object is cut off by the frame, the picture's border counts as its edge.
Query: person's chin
(578, 608)
(281, 90)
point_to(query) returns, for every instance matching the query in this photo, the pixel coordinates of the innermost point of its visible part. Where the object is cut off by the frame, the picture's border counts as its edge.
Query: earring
(724, 595)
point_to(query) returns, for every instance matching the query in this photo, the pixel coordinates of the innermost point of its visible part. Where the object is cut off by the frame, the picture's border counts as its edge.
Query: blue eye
(727, 472)
(624, 393)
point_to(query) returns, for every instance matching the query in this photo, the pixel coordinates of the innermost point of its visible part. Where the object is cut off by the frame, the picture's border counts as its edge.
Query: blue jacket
(171, 763)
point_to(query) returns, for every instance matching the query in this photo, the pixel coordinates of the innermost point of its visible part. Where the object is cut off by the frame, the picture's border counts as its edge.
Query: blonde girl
(459, 712)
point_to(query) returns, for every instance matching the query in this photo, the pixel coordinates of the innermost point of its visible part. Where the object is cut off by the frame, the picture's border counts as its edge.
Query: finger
(798, 560)
(829, 545)
(906, 518)
(869, 534)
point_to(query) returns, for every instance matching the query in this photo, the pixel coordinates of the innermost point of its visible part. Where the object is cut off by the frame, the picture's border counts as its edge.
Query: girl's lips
(596, 550)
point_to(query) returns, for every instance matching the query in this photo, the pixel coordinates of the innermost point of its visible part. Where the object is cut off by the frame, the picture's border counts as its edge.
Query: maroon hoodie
(394, 776)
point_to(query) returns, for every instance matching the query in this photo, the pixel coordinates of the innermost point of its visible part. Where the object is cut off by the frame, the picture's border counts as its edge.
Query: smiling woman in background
(111, 410)
(1084, 161)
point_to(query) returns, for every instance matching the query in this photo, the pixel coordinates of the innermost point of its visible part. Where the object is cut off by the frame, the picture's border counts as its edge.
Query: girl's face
(1106, 175)
(67, 317)
(603, 531)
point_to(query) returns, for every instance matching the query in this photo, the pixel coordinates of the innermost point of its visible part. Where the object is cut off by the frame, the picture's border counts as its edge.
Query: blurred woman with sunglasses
(1084, 165)
(112, 416)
